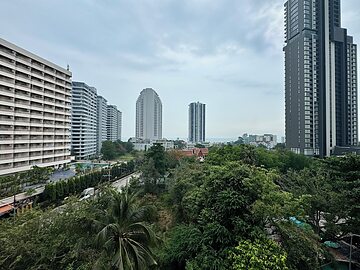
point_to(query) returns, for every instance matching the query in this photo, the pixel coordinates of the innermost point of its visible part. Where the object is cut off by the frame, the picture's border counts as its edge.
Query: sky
(224, 53)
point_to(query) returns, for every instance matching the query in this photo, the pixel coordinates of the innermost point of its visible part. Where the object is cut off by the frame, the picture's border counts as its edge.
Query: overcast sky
(225, 53)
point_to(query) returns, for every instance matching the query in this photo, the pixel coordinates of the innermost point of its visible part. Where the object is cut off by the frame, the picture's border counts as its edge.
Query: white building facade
(148, 115)
(101, 122)
(84, 121)
(114, 122)
(267, 140)
(35, 111)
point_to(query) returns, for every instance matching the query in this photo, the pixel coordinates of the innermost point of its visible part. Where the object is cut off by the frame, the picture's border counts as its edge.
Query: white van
(87, 193)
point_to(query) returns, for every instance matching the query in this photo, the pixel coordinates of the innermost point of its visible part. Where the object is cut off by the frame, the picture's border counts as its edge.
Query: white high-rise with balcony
(148, 115)
(113, 123)
(35, 111)
(101, 122)
(84, 121)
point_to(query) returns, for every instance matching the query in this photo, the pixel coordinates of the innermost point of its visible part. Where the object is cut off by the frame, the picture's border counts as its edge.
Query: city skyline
(224, 64)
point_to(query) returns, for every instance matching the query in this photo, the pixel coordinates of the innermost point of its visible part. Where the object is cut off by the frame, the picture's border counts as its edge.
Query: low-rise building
(267, 140)
(144, 145)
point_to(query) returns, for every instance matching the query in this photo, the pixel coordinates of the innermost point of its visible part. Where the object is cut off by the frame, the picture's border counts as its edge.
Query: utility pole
(351, 243)
(109, 171)
(351, 247)
(14, 206)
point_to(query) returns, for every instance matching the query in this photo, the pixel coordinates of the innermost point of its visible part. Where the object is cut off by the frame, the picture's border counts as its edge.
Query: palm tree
(124, 236)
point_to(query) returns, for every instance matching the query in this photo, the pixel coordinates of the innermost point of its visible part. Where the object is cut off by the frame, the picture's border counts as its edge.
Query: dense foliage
(112, 150)
(260, 254)
(243, 208)
(69, 237)
(15, 183)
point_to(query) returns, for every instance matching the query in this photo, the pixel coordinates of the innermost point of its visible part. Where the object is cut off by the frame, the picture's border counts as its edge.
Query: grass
(126, 157)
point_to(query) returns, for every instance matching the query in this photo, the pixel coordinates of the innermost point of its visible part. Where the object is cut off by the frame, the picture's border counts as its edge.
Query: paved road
(119, 184)
(20, 196)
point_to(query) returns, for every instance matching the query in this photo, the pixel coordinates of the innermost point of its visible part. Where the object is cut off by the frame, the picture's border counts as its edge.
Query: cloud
(226, 53)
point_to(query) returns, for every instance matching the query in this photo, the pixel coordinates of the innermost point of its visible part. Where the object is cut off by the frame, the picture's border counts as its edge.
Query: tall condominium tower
(114, 122)
(119, 124)
(35, 105)
(84, 121)
(148, 115)
(320, 78)
(196, 122)
(101, 122)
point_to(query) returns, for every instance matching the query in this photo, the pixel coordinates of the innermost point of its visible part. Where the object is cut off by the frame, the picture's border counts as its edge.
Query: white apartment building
(113, 123)
(144, 145)
(84, 121)
(35, 111)
(267, 140)
(119, 124)
(101, 122)
(148, 116)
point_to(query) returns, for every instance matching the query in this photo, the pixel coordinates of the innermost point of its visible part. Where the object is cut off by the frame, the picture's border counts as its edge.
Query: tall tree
(108, 150)
(124, 236)
(157, 154)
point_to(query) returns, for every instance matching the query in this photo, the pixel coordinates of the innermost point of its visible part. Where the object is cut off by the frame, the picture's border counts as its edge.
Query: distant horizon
(221, 140)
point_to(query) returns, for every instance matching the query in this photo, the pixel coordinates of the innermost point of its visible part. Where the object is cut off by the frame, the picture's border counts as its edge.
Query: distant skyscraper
(320, 78)
(196, 122)
(101, 122)
(119, 124)
(114, 122)
(148, 115)
(84, 121)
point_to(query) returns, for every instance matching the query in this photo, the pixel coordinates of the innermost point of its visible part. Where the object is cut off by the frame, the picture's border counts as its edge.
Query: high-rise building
(119, 124)
(148, 115)
(35, 111)
(320, 78)
(196, 122)
(114, 122)
(101, 122)
(84, 121)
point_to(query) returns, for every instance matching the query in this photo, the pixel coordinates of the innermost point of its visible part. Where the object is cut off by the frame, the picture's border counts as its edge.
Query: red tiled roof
(198, 152)
(5, 209)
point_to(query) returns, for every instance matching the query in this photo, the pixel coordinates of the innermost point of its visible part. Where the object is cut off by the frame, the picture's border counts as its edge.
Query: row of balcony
(26, 84)
(29, 63)
(26, 164)
(31, 96)
(27, 98)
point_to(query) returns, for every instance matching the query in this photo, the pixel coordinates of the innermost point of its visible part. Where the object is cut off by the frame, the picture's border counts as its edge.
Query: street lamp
(351, 244)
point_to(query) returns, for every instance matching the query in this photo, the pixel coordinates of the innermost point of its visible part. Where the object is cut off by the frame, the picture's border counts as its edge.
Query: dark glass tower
(197, 122)
(320, 78)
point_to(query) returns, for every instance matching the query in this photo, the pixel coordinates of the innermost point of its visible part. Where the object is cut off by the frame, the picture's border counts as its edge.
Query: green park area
(243, 208)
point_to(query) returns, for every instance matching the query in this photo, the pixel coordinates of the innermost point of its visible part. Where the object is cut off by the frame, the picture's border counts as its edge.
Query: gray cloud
(226, 53)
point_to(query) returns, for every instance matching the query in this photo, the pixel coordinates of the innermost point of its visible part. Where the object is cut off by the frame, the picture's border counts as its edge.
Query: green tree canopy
(258, 255)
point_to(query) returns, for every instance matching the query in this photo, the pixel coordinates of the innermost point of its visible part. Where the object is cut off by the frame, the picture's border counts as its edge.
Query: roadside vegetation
(17, 183)
(116, 150)
(243, 208)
